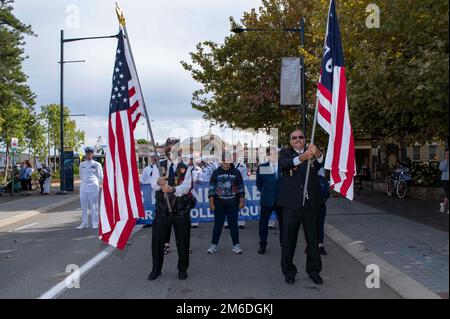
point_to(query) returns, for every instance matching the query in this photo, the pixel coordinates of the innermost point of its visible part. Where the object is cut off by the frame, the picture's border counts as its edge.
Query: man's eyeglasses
(300, 137)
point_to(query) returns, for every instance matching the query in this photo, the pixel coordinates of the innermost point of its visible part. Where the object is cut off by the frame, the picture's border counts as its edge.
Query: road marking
(26, 226)
(17, 218)
(91, 264)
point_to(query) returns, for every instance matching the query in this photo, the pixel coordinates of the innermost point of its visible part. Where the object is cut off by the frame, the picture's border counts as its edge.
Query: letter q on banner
(290, 87)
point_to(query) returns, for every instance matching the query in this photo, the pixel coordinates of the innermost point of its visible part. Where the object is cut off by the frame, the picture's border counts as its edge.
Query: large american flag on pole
(121, 200)
(333, 113)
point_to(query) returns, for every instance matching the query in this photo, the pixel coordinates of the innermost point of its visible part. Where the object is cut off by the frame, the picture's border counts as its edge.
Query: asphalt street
(34, 255)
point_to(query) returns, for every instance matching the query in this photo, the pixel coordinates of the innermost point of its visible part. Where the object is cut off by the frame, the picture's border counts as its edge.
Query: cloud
(161, 32)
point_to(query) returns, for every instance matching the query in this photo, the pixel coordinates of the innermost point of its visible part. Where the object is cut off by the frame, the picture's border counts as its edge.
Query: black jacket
(292, 184)
(161, 204)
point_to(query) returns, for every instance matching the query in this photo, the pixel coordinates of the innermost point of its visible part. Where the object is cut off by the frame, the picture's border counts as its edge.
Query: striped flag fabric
(121, 200)
(333, 115)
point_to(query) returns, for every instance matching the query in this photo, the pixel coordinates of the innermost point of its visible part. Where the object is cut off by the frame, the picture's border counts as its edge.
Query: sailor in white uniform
(91, 175)
(147, 173)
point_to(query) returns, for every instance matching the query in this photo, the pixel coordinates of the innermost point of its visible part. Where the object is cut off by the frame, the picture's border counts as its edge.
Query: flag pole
(122, 22)
(305, 189)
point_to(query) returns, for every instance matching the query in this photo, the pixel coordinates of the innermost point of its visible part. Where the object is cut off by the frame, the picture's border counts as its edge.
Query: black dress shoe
(316, 278)
(241, 227)
(261, 250)
(322, 250)
(182, 275)
(290, 280)
(154, 275)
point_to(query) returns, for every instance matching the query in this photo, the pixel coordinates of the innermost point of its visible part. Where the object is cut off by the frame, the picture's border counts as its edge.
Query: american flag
(121, 201)
(333, 113)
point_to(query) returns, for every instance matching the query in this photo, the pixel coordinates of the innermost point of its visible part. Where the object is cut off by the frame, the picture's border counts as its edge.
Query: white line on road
(59, 288)
(26, 226)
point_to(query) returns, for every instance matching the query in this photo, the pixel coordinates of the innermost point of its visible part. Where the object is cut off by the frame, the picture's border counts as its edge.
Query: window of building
(432, 152)
(416, 153)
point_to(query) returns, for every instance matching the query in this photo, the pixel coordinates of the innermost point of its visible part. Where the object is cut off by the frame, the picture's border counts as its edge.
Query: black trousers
(24, 184)
(292, 219)
(266, 212)
(163, 223)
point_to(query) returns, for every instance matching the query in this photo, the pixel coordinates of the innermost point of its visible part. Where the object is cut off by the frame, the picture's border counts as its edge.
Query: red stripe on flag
(131, 92)
(135, 176)
(324, 91)
(340, 113)
(125, 234)
(107, 194)
(124, 165)
(350, 163)
(324, 112)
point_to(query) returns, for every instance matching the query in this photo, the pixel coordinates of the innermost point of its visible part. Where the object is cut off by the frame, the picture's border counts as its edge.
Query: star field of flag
(333, 55)
(120, 99)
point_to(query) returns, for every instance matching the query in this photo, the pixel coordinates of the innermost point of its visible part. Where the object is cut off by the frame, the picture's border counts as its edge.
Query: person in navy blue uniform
(294, 162)
(268, 181)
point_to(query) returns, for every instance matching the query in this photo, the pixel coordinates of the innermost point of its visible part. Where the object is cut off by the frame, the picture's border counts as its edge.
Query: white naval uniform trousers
(91, 175)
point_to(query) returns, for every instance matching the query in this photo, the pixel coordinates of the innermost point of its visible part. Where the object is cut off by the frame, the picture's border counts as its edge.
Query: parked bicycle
(397, 182)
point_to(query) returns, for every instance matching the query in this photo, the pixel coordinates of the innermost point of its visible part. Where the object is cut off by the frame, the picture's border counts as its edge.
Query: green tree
(142, 141)
(36, 136)
(50, 115)
(397, 85)
(16, 98)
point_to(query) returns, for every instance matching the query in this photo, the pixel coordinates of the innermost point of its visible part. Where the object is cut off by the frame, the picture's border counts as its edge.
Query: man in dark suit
(293, 163)
(268, 181)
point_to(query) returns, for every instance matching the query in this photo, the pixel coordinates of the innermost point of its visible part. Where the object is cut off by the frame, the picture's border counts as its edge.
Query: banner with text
(201, 213)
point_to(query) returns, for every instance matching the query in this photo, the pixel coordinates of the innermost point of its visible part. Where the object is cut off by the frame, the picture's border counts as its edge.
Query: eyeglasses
(300, 137)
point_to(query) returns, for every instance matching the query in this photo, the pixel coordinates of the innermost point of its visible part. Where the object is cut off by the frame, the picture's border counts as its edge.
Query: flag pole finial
(120, 15)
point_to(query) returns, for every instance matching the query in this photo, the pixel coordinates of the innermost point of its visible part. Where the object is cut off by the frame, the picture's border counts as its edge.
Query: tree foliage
(16, 97)
(50, 114)
(397, 74)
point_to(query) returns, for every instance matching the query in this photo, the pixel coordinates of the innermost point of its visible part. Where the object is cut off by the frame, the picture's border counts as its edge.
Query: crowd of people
(23, 179)
(280, 181)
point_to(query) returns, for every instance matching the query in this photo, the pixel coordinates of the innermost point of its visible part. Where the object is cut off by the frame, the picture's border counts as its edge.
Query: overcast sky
(162, 33)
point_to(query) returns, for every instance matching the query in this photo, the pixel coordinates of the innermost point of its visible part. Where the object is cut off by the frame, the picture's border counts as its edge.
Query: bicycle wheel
(390, 186)
(401, 188)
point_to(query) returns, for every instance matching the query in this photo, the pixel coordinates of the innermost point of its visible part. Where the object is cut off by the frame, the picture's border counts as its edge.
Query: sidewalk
(417, 251)
(16, 208)
(424, 211)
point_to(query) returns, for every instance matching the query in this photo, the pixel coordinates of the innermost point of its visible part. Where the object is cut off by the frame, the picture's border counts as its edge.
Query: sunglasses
(300, 137)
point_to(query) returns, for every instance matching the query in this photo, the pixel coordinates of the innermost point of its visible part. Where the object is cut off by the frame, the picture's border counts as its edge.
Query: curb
(397, 280)
(37, 211)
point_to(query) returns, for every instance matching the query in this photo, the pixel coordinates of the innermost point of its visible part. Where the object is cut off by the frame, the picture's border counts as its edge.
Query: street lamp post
(301, 32)
(62, 62)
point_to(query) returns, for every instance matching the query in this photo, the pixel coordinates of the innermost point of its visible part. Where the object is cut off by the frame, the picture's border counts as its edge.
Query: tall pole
(61, 120)
(302, 75)
(313, 132)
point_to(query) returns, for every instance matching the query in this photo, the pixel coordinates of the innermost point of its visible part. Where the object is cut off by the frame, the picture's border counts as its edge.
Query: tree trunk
(6, 163)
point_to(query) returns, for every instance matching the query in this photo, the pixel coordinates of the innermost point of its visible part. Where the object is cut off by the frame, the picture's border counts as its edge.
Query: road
(34, 255)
